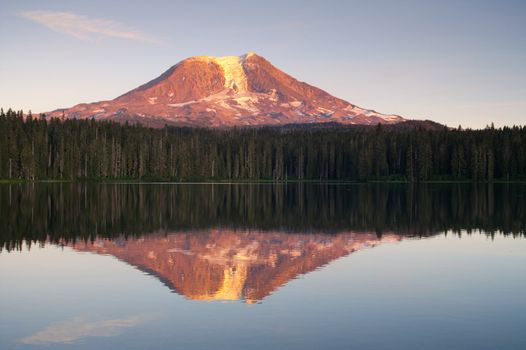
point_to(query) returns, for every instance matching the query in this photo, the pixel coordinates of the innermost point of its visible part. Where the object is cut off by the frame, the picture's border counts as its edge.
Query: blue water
(251, 288)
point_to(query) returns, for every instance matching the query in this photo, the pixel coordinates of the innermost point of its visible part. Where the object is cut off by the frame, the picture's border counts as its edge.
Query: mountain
(242, 90)
(224, 264)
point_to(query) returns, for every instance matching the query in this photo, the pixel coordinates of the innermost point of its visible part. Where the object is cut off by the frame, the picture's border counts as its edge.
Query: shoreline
(263, 182)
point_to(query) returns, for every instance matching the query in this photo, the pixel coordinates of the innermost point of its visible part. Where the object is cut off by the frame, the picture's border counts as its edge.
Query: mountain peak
(245, 55)
(233, 72)
(210, 91)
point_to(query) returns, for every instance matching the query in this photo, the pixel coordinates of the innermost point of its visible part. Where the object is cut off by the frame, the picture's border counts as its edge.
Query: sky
(455, 62)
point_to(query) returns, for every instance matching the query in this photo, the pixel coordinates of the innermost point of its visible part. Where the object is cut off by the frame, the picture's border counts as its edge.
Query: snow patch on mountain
(182, 104)
(247, 102)
(235, 77)
(370, 113)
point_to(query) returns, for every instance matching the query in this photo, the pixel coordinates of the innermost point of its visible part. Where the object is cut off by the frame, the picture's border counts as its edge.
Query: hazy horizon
(451, 62)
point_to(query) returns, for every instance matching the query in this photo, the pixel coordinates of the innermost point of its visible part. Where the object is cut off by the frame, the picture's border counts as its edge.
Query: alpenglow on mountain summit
(206, 91)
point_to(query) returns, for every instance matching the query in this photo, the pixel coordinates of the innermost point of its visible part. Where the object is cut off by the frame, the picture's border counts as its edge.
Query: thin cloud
(84, 28)
(70, 331)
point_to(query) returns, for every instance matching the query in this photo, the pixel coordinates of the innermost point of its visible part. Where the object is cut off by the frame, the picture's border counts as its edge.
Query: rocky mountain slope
(227, 91)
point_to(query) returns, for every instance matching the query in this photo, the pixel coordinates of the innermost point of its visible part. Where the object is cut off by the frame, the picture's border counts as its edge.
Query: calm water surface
(163, 266)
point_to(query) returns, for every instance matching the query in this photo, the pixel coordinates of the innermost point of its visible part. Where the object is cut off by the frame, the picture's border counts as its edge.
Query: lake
(262, 266)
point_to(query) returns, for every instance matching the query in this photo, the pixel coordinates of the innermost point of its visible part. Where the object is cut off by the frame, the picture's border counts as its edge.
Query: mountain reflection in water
(241, 242)
(91, 266)
(232, 265)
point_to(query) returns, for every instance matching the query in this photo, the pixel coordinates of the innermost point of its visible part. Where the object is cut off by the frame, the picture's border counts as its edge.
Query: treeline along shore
(38, 148)
(66, 211)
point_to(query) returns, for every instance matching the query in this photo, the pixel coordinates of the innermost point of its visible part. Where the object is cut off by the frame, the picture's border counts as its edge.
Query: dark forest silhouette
(37, 149)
